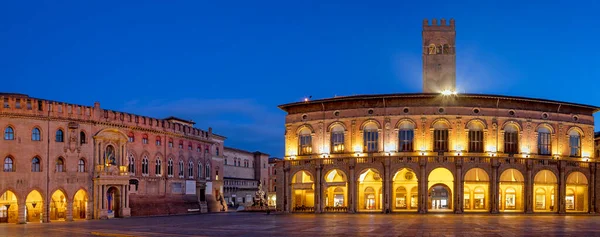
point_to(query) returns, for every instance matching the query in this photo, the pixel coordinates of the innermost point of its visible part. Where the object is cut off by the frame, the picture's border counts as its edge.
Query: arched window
(158, 140)
(511, 139)
(440, 137)
(131, 137)
(8, 164)
(370, 138)
(35, 164)
(199, 170)
(208, 174)
(217, 151)
(447, 49)
(475, 137)
(82, 139)
(305, 142)
(198, 149)
(574, 144)
(432, 49)
(181, 168)
(337, 139)
(406, 134)
(59, 136)
(170, 142)
(131, 164)
(158, 167)
(36, 135)
(170, 168)
(145, 139)
(9, 133)
(190, 146)
(190, 169)
(544, 141)
(145, 166)
(81, 166)
(180, 144)
(60, 165)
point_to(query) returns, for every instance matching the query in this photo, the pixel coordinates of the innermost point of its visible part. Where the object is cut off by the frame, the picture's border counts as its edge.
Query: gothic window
(59, 135)
(337, 139)
(130, 137)
(447, 49)
(199, 170)
(9, 133)
(511, 139)
(181, 169)
(208, 174)
(145, 139)
(544, 141)
(190, 169)
(60, 165)
(438, 50)
(36, 134)
(131, 164)
(170, 143)
(432, 49)
(82, 137)
(145, 166)
(406, 134)
(8, 164)
(158, 167)
(475, 137)
(370, 138)
(574, 144)
(81, 166)
(35, 164)
(440, 137)
(170, 168)
(158, 140)
(305, 142)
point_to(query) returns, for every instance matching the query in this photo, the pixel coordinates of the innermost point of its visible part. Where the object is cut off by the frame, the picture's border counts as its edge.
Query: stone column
(21, 218)
(458, 190)
(387, 186)
(592, 189)
(423, 192)
(561, 187)
(494, 186)
(46, 209)
(529, 187)
(69, 213)
(352, 191)
(89, 211)
(318, 190)
(287, 192)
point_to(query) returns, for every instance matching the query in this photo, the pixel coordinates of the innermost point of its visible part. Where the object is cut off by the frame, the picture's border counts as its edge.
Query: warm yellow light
(448, 92)
(357, 149)
(491, 148)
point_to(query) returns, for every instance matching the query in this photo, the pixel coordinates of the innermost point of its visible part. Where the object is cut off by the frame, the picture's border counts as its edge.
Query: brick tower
(439, 58)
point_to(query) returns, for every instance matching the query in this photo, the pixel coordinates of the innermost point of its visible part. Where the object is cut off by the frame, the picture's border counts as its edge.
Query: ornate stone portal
(110, 175)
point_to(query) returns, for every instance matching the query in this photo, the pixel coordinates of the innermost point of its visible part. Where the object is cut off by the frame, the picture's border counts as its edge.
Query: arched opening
(58, 206)
(303, 192)
(405, 186)
(441, 183)
(9, 209)
(511, 191)
(35, 204)
(80, 204)
(406, 134)
(113, 199)
(544, 186)
(304, 142)
(574, 143)
(576, 198)
(369, 191)
(336, 191)
(476, 190)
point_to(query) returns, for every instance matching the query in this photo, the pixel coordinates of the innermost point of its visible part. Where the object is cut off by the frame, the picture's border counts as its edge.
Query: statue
(110, 155)
(259, 196)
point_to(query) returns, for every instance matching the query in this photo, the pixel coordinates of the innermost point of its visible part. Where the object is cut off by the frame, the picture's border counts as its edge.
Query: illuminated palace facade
(64, 162)
(438, 152)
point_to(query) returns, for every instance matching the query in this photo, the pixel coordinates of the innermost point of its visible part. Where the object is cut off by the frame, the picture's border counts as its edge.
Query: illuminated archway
(369, 191)
(9, 209)
(58, 206)
(476, 190)
(405, 194)
(511, 191)
(336, 191)
(441, 188)
(544, 190)
(80, 204)
(35, 205)
(303, 192)
(576, 198)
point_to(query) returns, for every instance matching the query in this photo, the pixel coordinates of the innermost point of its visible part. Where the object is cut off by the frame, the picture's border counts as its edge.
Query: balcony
(111, 170)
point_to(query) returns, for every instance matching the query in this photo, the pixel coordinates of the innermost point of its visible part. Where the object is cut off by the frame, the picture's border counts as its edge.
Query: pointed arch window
(130, 137)
(35, 165)
(574, 144)
(82, 138)
(60, 135)
(207, 172)
(8, 164)
(180, 144)
(145, 139)
(158, 167)
(406, 134)
(181, 169)
(190, 169)
(36, 134)
(145, 166)
(199, 170)
(170, 142)
(60, 165)
(158, 141)
(9, 133)
(170, 168)
(131, 164)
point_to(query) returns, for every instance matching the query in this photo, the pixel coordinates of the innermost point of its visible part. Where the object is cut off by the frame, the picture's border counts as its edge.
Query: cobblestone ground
(260, 224)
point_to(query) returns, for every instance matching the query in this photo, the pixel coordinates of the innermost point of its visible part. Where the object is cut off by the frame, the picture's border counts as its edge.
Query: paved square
(260, 224)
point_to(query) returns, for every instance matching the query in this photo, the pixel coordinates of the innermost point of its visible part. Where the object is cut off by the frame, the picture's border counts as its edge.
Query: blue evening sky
(228, 64)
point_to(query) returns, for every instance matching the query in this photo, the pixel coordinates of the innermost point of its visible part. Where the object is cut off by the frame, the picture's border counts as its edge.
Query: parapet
(438, 25)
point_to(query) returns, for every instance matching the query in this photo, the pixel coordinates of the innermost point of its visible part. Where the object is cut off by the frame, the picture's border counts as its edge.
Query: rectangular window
(305, 144)
(337, 142)
(40, 105)
(29, 105)
(511, 142)
(574, 144)
(544, 143)
(406, 140)
(440, 140)
(371, 138)
(6, 105)
(475, 141)
(18, 104)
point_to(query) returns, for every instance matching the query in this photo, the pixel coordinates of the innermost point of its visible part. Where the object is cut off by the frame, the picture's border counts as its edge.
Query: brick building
(272, 190)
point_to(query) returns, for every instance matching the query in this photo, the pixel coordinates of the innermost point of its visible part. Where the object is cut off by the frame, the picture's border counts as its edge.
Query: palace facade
(438, 151)
(244, 173)
(63, 161)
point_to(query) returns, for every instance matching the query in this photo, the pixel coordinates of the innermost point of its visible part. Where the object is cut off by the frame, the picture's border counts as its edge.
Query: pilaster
(352, 191)
(423, 193)
(529, 188)
(494, 187)
(562, 187)
(69, 211)
(458, 190)
(592, 188)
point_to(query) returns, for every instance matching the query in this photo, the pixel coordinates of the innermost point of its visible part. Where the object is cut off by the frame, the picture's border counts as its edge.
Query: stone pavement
(260, 224)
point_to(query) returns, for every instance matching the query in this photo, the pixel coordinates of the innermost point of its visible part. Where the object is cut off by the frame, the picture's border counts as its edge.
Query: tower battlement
(436, 25)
